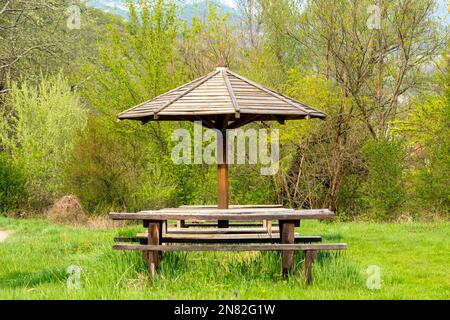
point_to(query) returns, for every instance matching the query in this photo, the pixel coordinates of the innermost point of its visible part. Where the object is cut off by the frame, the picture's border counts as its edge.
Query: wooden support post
(222, 168)
(163, 228)
(269, 226)
(144, 241)
(154, 238)
(287, 237)
(181, 224)
(309, 259)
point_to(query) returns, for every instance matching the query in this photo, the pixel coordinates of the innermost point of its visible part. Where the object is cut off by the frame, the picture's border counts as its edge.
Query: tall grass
(413, 259)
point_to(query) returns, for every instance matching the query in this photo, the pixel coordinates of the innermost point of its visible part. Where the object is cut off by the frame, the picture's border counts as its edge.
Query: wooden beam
(231, 93)
(243, 121)
(255, 247)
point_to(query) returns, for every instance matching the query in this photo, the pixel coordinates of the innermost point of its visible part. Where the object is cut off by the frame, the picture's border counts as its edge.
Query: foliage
(384, 147)
(108, 172)
(137, 61)
(428, 131)
(37, 36)
(12, 185)
(207, 42)
(383, 190)
(36, 129)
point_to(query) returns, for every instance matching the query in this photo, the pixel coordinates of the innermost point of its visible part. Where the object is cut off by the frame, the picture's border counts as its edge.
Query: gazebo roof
(225, 93)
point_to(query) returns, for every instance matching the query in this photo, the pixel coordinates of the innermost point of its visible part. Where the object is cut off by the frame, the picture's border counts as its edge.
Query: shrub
(110, 170)
(12, 185)
(383, 189)
(37, 126)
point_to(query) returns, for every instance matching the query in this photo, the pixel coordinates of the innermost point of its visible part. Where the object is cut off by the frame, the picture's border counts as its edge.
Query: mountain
(189, 8)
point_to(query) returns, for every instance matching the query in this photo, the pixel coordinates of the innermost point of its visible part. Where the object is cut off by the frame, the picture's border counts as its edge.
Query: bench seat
(219, 238)
(310, 251)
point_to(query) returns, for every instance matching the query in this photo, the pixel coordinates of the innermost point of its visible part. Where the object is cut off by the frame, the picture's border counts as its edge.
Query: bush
(12, 185)
(429, 131)
(383, 189)
(37, 126)
(110, 170)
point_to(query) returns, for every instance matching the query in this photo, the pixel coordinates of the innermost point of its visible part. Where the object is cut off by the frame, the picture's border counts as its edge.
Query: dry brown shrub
(67, 210)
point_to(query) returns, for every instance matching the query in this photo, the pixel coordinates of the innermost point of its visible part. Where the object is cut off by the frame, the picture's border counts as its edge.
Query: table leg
(287, 237)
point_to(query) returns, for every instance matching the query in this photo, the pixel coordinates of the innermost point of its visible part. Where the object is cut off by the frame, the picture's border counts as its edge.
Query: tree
(208, 42)
(36, 130)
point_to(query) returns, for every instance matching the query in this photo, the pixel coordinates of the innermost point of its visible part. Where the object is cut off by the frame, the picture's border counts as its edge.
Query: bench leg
(154, 238)
(287, 237)
(309, 259)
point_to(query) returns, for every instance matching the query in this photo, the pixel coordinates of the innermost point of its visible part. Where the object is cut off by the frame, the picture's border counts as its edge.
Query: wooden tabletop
(232, 214)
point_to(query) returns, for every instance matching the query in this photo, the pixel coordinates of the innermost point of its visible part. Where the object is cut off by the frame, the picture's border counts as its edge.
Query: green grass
(414, 260)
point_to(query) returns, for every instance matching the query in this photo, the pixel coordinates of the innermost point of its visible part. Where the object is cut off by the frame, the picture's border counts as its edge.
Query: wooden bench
(218, 238)
(156, 222)
(309, 249)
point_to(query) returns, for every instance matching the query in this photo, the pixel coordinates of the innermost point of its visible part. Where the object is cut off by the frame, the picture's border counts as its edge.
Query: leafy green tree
(207, 42)
(36, 131)
(428, 129)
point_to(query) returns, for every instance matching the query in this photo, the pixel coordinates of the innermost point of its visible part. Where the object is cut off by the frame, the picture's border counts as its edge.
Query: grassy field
(414, 260)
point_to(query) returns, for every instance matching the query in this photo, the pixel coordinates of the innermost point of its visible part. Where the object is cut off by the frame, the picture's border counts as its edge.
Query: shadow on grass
(32, 279)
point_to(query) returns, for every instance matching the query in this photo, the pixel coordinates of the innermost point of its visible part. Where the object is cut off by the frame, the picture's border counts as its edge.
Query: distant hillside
(188, 8)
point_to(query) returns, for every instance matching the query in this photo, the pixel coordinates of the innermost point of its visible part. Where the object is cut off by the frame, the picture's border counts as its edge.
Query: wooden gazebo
(222, 100)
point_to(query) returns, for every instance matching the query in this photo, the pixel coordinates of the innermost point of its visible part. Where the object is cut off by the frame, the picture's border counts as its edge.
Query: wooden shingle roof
(221, 92)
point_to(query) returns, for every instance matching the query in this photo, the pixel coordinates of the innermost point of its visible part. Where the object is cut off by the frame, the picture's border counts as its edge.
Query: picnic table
(160, 237)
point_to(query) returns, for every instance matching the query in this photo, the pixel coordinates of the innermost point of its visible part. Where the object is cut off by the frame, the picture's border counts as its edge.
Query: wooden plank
(207, 226)
(232, 206)
(236, 236)
(266, 239)
(254, 247)
(240, 239)
(227, 214)
(220, 231)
